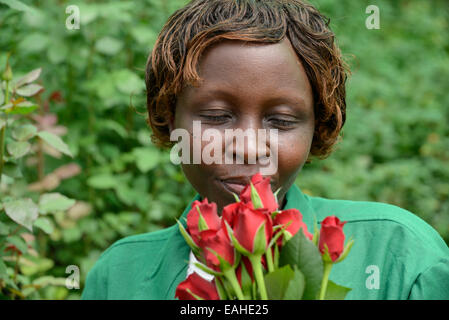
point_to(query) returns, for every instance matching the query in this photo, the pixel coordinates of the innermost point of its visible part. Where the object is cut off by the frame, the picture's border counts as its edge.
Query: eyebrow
(280, 98)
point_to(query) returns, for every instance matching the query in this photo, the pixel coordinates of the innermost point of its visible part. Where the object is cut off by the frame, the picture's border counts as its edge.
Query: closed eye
(216, 119)
(282, 123)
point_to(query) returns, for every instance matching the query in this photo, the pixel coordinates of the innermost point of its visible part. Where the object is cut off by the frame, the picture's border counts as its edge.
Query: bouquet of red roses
(256, 251)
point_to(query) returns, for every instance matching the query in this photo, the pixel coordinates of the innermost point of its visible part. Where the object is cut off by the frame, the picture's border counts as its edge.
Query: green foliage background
(395, 145)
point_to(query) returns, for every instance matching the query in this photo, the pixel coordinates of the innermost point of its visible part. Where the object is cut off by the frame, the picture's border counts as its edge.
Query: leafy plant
(395, 146)
(27, 215)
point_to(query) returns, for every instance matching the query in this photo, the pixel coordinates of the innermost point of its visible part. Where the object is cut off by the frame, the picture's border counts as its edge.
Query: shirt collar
(296, 199)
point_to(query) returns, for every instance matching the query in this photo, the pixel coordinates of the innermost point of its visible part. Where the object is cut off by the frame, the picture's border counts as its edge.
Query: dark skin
(262, 86)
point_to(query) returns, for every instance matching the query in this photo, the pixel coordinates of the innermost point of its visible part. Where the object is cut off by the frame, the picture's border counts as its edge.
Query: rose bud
(263, 188)
(292, 218)
(196, 287)
(214, 244)
(246, 230)
(203, 216)
(331, 235)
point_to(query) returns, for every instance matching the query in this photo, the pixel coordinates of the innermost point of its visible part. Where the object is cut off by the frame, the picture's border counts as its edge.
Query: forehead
(252, 70)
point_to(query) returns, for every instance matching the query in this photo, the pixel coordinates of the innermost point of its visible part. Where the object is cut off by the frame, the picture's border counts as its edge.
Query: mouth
(237, 184)
(234, 185)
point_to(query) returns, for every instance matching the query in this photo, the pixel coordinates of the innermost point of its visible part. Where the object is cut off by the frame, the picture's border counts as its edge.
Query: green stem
(276, 257)
(220, 289)
(230, 276)
(2, 134)
(269, 256)
(324, 281)
(258, 274)
(2, 147)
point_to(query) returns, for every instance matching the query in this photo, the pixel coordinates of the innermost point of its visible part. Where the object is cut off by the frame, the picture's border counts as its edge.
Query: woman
(270, 65)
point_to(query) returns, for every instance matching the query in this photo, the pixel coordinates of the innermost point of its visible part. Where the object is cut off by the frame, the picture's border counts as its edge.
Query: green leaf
(23, 212)
(202, 224)
(346, 250)
(4, 229)
(55, 141)
(18, 242)
(57, 51)
(144, 35)
(44, 224)
(277, 282)
(260, 240)
(128, 82)
(18, 149)
(146, 158)
(102, 181)
(207, 269)
(187, 237)
(24, 132)
(107, 124)
(31, 265)
(109, 46)
(2, 269)
(235, 242)
(16, 5)
(29, 77)
(255, 198)
(49, 280)
(335, 291)
(12, 170)
(301, 252)
(23, 108)
(54, 202)
(29, 90)
(296, 286)
(33, 43)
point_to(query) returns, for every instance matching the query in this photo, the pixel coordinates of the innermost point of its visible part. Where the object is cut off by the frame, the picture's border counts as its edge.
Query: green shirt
(396, 255)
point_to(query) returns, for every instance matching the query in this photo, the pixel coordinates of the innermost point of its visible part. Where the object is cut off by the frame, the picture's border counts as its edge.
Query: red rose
(294, 217)
(263, 188)
(198, 286)
(208, 220)
(332, 235)
(247, 223)
(230, 213)
(220, 243)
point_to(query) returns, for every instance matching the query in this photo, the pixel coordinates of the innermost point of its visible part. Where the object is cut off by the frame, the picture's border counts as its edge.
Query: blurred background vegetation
(80, 171)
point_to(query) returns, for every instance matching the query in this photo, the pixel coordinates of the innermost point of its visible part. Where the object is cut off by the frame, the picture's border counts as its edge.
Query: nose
(248, 143)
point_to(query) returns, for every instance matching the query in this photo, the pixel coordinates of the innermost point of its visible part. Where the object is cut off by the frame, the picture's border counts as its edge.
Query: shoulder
(129, 258)
(134, 244)
(412, 258)
(364, 211)
(397, 221)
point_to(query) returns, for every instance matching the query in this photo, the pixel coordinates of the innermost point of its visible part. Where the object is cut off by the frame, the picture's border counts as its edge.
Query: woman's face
(248, 86)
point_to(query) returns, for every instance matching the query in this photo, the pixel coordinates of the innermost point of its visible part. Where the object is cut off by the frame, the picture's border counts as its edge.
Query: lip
(234, 185)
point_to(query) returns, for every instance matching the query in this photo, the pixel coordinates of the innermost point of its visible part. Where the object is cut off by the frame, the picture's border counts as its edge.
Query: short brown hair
(173, 62)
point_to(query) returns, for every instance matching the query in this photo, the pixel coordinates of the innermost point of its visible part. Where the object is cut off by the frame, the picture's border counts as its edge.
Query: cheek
(293, 153)
(200, 175)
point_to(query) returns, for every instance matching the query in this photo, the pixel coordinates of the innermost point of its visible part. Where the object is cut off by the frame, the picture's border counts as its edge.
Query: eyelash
(216, 119)
(282, 124)
(279, 123)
